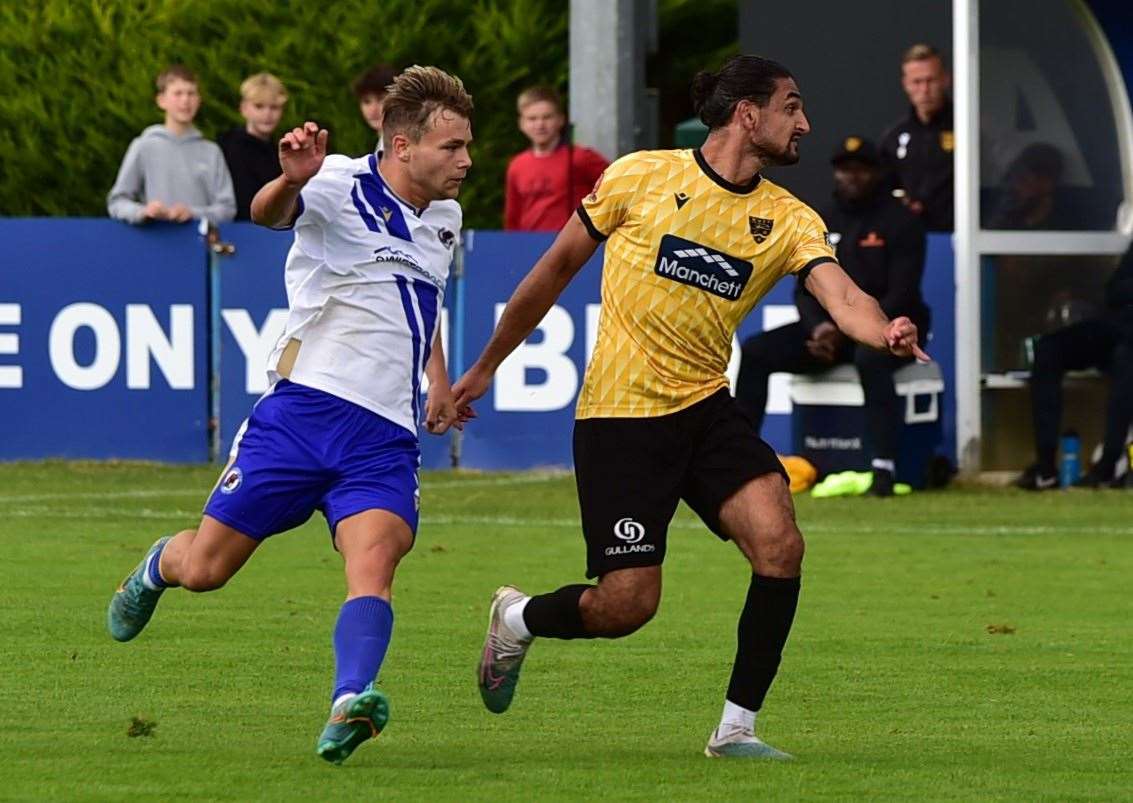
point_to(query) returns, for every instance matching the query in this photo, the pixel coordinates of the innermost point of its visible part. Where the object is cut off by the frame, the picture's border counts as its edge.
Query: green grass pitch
(964, 645)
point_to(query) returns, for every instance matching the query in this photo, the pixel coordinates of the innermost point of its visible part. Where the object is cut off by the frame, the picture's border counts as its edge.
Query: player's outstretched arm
(301, 154)
(527, 306)
(858, 314)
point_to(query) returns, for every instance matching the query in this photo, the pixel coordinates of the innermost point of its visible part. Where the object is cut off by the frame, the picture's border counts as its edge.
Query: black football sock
(762, 632)
(557, 615)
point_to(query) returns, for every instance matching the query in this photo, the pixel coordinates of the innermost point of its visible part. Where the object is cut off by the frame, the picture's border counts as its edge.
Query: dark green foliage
(76, 78)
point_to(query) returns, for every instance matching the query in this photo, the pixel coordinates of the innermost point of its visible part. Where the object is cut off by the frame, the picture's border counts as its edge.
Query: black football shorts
(632, 472)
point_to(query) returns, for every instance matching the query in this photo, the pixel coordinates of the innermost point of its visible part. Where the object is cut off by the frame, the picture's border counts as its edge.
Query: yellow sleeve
(812, 245)
(608, 204)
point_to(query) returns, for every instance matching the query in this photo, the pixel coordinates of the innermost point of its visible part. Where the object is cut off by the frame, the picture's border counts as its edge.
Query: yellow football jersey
(688, 255)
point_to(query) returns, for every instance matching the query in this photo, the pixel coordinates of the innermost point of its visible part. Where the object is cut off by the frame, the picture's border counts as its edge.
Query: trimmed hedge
(76, 79)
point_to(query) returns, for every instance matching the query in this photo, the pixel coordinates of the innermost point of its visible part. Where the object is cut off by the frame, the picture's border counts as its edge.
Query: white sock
(886, 465)
(737, 716)
(148, 583)
(513, 618)
(342, 697)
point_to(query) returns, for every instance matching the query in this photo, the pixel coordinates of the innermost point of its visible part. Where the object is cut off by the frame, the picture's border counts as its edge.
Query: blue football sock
(361, 638)
(153, 578)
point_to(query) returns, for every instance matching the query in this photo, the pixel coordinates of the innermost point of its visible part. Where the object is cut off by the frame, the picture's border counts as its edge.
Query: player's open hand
(301, 152)
(901, 338)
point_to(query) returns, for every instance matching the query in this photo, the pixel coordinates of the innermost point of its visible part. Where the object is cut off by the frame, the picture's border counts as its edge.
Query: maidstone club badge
(947, 141)
(760, 228)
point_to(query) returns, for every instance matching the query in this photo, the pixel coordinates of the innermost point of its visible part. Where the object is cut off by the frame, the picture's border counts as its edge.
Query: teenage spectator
(171, 172)
(250, 151)
(881, 245)
(917, 151)
(371, 88)
(1104, 342)
(547, 181)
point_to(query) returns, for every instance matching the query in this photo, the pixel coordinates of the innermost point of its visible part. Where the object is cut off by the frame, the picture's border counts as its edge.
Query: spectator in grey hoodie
(171, 172)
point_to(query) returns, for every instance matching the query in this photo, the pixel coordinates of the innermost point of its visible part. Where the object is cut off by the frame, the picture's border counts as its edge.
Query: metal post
(966, 44)
(217, 251)
(611, 110)
(456, 333)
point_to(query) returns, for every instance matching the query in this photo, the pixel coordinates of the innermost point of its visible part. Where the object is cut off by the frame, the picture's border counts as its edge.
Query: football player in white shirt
(337, 431)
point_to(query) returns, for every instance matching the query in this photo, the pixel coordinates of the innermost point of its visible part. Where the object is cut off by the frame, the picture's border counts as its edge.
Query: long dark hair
(715, 94)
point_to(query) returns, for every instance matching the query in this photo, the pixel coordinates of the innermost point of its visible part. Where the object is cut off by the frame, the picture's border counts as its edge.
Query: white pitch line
(574, 524)
(477, 482)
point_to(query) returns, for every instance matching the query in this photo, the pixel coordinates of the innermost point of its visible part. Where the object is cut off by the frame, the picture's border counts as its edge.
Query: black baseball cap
(856, 149)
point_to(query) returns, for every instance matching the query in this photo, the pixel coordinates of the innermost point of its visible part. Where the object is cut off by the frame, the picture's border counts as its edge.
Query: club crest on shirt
(593, 196)
(947, 141)
(446, 237)
(760, 228)
(232, 480)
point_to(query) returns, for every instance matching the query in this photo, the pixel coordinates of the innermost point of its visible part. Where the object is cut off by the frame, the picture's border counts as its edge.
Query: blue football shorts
(304, 450)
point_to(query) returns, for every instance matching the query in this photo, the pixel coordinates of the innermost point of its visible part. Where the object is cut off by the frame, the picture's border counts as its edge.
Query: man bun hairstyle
(415, 95)
(715, 94)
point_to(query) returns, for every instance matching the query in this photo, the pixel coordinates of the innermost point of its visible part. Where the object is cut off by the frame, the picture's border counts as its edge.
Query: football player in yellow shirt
(694, 238)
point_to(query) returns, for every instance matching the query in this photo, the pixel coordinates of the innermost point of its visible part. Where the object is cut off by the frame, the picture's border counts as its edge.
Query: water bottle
(1071, 466)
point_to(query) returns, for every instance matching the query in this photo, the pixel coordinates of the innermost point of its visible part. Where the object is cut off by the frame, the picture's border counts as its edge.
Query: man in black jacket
(917, 150)
(1105, 342)
(881, 245)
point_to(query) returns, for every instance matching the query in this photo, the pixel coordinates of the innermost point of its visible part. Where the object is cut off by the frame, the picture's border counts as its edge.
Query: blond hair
(921, 52)
(539, 94)
(415, 95)
(263, 86)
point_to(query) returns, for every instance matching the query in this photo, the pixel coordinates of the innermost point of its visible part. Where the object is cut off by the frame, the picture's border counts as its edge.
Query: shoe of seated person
(1098, 477)
(1037, 478)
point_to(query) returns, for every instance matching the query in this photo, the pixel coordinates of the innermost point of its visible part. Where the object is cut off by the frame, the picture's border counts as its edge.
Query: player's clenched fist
(301, 152)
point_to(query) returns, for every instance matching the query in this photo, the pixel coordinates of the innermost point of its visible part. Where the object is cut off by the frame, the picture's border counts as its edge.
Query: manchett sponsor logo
(699, 266)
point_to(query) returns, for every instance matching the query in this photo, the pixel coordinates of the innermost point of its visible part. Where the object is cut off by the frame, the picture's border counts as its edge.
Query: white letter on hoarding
(256, 346)
(779, 387)
(173, 355)
(513, 394)
(593, 317)
(107, 346)
(11, 376)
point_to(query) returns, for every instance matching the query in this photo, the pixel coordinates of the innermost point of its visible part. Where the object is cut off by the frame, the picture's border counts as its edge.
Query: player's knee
(781, 553)
(614, 614)
(202, 577)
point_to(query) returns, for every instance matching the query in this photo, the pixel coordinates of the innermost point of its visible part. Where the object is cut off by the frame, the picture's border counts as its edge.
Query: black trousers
(784, 350)
(1094, 343)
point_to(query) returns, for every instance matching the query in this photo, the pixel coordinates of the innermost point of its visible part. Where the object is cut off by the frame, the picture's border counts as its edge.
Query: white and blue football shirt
(365, 283)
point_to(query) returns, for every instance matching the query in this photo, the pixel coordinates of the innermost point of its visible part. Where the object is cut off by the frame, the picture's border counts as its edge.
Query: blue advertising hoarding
(104, 342)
